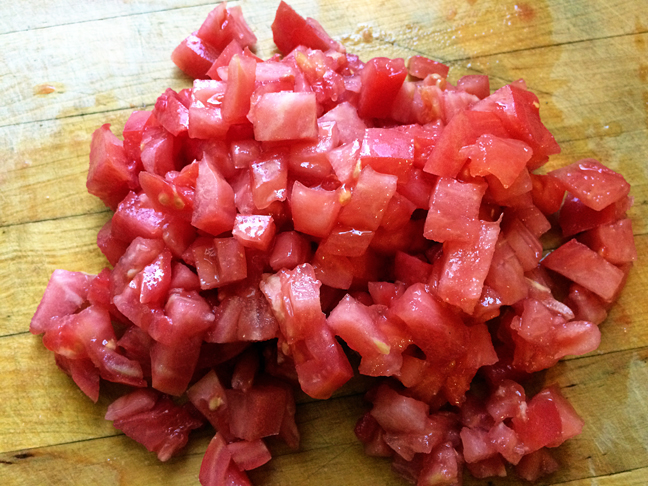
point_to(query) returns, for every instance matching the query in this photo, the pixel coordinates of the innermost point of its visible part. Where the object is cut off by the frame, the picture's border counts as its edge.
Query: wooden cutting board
(69, 66)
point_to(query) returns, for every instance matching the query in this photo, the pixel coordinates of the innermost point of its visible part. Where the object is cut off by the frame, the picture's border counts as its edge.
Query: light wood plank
(602, 389)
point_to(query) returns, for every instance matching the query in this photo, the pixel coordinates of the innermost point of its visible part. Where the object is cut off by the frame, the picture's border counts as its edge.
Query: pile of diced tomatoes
(280, 207)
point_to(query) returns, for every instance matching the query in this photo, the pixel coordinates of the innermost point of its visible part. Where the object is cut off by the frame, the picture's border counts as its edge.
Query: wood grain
(70, 66)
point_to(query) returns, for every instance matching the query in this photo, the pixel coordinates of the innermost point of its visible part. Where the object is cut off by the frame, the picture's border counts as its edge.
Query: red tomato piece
(314, 210)
(465, 267)
(504, 158)
(223, 25)
(284, 116)
(548, 193)
(614, 242)
(249, 455)
(194, 56)
(132, 134)
(382, 79)
(434, 327)
(369, 200)
(172, 114)
(240, 85)
(163, 429)
(454, 210)
(215, 462)
(536, 465)
(269, 179)
(290, 30)
(506, 275)
(476, 84)
(519, 111)
(593, 183)
(257, 412)
(587, 268)
(344, 241)
(224, 59)
(387, 151)
(173, 366)
(214, 208)
(254, 231)
(356, 324)
(111, 174)
(66, 292)
(421, 67)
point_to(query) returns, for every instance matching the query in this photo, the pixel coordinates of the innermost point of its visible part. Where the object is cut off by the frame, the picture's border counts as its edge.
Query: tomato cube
(587, 268)
(194, 56)
(314, 210)
(369, 200)
(593, 183)
(111, 175)
(214, 208)
(284, 116)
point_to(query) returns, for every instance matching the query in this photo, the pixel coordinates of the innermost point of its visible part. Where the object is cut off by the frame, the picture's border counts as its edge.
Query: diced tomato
(194, 56)
(289, 30)
(66, 292)
(502, 157)
(421, 67)
(476, 84)
(173, 366)
(434, 327)
(593, 183)
(387, 151)
(111, 174)
(614, 242)
(224, 25)
(465, 267)
(519, 111)
(249, 454)
(314, 210)
(215, 463)
(587, 268)
(284, 116)
(454, 210)
(381, 82)
(132, 133)
(269, 179)
(214, 209)
(536, 465)
(240, 85)
(257, 412)
(163, 429)
(369, 200)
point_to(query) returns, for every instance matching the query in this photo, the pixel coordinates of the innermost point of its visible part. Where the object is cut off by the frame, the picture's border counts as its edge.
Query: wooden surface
(68, 66)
